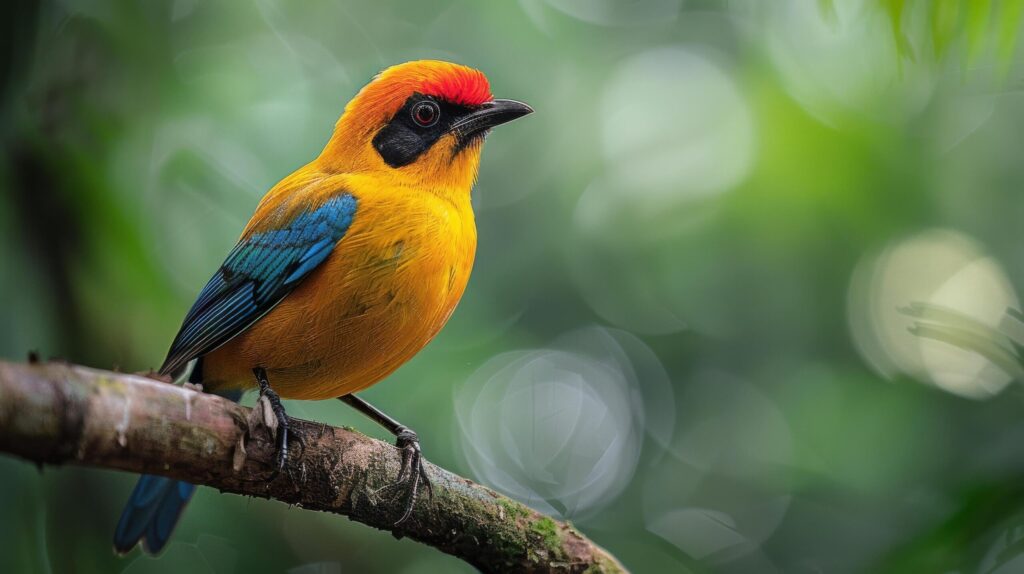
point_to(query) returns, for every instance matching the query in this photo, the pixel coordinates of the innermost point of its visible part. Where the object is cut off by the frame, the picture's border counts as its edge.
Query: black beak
(488, 115)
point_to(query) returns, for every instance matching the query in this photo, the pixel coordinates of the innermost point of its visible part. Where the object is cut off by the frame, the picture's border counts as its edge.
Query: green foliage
(979, 26)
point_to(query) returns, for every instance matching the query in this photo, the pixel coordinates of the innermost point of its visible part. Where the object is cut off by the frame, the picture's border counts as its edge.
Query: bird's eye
(426, 114)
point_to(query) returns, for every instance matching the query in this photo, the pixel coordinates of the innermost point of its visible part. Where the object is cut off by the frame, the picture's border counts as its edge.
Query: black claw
(426, 482)
(301, 440)
(298, 438)
(283, 425)
(413, 469)
(282, 431)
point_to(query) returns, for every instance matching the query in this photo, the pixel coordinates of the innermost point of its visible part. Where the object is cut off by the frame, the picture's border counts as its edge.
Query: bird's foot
(413, 472)
(270, 414)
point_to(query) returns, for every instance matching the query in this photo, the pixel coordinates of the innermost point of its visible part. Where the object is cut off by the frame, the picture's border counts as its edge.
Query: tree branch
(56, 413)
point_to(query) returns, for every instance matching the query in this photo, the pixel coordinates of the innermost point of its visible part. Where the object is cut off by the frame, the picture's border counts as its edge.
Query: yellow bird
(347, 269)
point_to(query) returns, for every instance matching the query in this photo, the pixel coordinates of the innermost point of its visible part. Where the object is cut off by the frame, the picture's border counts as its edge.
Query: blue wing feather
(257, 274)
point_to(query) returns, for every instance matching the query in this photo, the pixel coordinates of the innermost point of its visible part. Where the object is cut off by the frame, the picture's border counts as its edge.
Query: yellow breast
(386, 290)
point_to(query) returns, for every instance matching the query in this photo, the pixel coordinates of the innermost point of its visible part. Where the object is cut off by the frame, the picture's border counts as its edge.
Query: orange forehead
(444, 80)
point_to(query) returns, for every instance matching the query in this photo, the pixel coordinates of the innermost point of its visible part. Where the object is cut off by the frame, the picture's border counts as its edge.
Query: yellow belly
(386, 290)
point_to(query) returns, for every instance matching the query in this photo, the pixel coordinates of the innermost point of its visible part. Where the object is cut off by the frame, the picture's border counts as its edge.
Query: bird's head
(421, 121)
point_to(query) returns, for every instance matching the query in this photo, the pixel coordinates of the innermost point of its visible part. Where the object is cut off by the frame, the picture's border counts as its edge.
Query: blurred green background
(683, 331)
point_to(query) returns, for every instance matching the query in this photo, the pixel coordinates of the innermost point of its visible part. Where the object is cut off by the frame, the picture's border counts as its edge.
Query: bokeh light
(699, 499)
(675, 127)
(942, 268)
(551, 428)
(731, 427)
(561, 428)
(676, 133)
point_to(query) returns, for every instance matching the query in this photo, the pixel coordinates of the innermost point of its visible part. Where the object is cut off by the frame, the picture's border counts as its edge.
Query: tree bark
(56, 413)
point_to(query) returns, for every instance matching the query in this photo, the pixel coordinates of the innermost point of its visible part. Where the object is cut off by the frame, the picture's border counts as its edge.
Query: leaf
(1009, 332)
(1006, 39)
(964, 332)
(971, 341)
(944, 18)
(894, 9)
(827, 8)
(978, 12)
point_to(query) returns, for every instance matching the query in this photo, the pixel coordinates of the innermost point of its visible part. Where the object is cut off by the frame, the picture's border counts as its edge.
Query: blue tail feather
(151, 513)
(154, 508)
(167, 514)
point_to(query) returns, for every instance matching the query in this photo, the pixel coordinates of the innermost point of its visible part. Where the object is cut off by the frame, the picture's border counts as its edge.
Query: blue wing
(257, 274)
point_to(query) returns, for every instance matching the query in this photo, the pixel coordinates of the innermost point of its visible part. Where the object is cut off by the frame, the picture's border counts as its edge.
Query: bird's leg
(279, 414)
(408, 442)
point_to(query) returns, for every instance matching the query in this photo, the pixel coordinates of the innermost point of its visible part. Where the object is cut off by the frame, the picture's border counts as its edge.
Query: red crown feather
(460, 85)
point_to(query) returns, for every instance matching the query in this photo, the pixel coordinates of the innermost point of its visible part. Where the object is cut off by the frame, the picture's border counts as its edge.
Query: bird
(348, 267)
